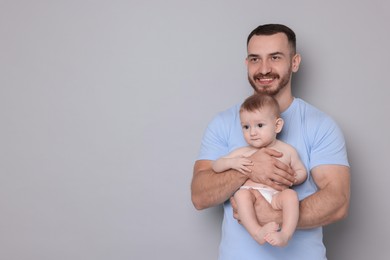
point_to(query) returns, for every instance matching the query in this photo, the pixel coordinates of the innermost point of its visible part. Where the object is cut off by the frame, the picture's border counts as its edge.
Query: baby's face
(258, 127)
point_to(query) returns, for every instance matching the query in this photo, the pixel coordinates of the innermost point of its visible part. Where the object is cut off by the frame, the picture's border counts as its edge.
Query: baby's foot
(271, 227)
(277, 238)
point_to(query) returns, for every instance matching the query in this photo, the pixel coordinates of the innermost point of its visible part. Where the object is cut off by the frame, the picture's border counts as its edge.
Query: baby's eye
(260, 125)
(245, 127)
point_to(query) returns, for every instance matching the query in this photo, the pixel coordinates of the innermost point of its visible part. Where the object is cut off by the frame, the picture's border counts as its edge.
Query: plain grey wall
(103, 105)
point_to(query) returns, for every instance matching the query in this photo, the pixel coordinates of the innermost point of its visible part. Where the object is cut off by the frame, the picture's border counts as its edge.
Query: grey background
(103, 105)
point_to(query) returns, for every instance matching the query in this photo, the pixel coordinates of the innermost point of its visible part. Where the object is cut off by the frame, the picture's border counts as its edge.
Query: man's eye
(254, 60)
(275, 58)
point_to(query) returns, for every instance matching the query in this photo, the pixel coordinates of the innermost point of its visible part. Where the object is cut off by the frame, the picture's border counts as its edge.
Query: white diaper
(267, 192)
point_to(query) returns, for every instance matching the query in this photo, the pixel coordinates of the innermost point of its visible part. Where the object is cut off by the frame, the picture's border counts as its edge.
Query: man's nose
(264, 67)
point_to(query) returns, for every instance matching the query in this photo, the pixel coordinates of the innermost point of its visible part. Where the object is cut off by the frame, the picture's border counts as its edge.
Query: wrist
(241, 176)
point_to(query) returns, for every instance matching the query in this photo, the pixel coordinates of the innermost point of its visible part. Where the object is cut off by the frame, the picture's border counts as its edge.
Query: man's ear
(296, 60)
(279, 125)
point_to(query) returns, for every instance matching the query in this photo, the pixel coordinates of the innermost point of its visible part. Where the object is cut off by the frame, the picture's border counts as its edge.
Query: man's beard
(266, 89)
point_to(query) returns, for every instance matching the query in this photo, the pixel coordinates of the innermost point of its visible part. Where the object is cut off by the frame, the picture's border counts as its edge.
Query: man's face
(270, 63)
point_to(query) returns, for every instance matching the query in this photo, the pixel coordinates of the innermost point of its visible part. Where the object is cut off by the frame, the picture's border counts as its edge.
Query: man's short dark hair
(271, 29)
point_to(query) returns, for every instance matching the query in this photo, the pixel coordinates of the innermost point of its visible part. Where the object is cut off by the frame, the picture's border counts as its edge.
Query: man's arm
(329, 204)
(209, 188)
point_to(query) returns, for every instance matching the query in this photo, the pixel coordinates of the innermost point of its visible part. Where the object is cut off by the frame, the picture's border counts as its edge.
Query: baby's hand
(241, 164)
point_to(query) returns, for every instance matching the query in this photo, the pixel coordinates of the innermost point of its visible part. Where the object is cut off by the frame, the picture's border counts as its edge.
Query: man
(324, 196)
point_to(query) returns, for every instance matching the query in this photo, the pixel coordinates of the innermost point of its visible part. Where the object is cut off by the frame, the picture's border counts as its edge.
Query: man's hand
(264, 211)
(267, 169)
(235, 211)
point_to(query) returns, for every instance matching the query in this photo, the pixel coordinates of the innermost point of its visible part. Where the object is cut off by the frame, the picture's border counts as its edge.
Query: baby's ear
(279, 125)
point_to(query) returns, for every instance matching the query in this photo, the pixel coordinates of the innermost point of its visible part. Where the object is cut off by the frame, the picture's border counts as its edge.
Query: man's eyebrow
(271, 54)
(277, 53)
(253, 55)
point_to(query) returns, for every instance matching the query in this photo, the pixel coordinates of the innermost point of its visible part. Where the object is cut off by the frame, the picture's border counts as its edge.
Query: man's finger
(256, 194)
(284, 168)
(272, 152)
(233, 203)
(288, 180)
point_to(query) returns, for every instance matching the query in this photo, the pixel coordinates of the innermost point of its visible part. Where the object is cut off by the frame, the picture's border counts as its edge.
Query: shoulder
(323, 137)
(314, 118)
(229, 114)
(309, 110)
(224, 120)
(284, 147)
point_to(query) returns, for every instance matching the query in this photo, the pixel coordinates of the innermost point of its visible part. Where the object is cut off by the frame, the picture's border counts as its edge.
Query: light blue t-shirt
(318, 140)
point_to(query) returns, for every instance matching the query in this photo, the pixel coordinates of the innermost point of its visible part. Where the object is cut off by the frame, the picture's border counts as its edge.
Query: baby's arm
(235, 160)
(298, 167)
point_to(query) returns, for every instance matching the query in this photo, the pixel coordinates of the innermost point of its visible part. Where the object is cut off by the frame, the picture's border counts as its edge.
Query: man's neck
(285, 99)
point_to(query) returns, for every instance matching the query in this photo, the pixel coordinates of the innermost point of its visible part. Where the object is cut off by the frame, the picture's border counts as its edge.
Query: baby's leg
(287, 201)
(246, 212)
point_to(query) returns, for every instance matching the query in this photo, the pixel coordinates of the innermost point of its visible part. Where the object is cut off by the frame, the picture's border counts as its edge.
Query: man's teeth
(265, 80)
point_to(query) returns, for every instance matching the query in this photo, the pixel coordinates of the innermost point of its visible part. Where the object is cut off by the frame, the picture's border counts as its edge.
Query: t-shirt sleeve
(214, 143)
(329, 145)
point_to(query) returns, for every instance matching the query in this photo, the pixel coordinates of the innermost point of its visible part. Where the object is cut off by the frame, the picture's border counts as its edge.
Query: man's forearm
(209, 189)
(321, 209)
(331, 202)
(328, 204)
(317, 210)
